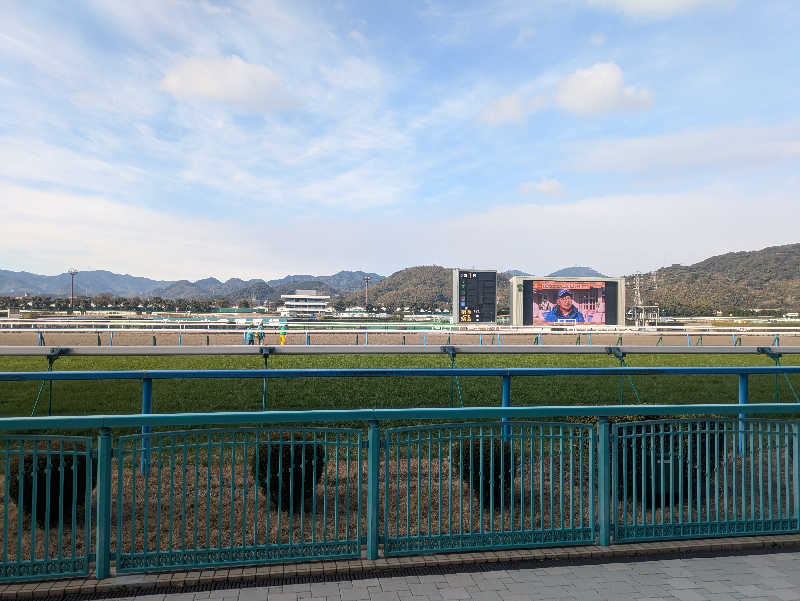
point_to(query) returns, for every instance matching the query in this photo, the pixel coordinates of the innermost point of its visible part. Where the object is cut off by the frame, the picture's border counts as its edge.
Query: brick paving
(758, 568)
(763, 577)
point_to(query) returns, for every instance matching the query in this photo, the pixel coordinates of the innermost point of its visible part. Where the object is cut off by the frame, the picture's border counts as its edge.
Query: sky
(178, 139)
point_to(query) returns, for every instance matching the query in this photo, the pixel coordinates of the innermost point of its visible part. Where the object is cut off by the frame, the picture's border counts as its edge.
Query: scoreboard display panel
(541, 301)
(474, 296)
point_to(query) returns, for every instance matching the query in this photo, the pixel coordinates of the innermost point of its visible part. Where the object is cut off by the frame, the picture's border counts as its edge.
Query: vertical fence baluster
(796, 473)
(103, 533)
(604, 529)
(373, 458)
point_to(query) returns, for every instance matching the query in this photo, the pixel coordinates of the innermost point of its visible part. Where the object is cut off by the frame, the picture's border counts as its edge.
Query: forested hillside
(742, 283)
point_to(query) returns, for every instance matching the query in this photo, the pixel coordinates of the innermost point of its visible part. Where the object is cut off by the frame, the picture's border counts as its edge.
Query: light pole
(366, 291)
(72, 271)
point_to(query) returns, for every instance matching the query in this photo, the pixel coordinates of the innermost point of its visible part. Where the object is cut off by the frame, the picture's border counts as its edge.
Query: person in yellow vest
(283, 334)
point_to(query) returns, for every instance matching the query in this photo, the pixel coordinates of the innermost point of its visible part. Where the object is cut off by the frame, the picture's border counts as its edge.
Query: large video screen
(566, 301)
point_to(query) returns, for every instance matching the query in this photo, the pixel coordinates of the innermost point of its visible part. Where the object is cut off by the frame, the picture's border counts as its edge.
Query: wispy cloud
(655, 9)
(229, 81)
(595, 90)
(600, 89)
(546, 186)
(743, 146)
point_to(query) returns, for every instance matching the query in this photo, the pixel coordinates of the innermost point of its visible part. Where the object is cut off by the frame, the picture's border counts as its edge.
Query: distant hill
(513, 272)
(18, 283)
(206, 288)
(577, 272)
(737, 282)
(342, 282)
(92, 283)
(422, 287)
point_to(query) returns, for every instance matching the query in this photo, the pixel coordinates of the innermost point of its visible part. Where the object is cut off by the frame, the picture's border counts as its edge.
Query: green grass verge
(109, 397)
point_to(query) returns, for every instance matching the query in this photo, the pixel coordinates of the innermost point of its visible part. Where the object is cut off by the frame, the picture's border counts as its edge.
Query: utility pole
(72, 271)
(366, 291)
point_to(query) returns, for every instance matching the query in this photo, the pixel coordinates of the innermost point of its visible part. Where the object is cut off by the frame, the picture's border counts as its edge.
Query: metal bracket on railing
(55, 353)
(620, 355)
(52, 356)
(455, 385)
(265, 351)
(765, 350)
(776, 357)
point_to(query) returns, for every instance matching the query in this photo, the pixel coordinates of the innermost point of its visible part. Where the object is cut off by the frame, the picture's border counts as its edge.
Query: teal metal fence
(231, 496)
(45, 503)
(255, 487)
(456, 487)
(704, 477)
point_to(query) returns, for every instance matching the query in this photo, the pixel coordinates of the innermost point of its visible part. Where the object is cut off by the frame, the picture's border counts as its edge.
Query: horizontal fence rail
(392, 349)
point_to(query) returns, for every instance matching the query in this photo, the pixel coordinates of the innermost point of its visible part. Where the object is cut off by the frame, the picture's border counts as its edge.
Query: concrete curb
(353, 569)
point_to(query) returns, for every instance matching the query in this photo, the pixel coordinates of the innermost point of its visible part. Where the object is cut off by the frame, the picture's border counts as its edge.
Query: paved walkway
(763, 577)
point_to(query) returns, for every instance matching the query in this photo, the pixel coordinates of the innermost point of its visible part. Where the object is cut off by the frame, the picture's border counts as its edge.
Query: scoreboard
(474, 296)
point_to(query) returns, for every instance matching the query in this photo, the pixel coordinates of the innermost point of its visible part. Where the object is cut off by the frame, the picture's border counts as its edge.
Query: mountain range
(738, 282)
(92, 283)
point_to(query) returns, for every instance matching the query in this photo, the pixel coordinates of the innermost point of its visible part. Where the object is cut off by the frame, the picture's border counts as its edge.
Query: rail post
(506, 402)
(743, 394)
(796, 471)
(147, 408)
(373, 457)
(103, 534)
(603, 481)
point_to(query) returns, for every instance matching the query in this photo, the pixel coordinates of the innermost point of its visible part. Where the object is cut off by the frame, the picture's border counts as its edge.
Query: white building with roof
(304, 302)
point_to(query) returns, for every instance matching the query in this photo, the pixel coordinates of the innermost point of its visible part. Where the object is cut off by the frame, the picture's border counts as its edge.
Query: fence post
(796, 472)
(103, 535)
(506, 403)
(147, 408)
(743, 394)
(373, 457)
(603, 481)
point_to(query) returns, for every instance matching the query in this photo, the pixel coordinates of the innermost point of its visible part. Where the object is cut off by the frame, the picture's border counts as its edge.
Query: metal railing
(249, 488)
(262, 491)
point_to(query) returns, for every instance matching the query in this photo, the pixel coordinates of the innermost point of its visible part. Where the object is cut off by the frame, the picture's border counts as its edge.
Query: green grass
(108, 397)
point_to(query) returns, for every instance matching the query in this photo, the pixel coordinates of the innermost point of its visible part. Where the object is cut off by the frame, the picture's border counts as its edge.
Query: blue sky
(185, 139)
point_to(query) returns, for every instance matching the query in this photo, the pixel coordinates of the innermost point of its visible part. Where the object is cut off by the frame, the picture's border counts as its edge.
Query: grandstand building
(304, 303)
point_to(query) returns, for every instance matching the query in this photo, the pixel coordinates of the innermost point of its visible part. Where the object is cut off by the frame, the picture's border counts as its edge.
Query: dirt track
(169, 338)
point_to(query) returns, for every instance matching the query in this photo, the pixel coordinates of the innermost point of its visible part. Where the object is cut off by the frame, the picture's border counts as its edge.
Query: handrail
(171, 374)
(368, 415)
(387, 349)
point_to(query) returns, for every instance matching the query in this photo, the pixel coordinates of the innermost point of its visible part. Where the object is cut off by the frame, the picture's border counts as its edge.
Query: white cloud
(548, 187)
(229, 81)
(87, 231)
(598, 89)
(512, 109)
(653, 9)
(359, 188)
(39, 162)
(532, 236)
(727, 146)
